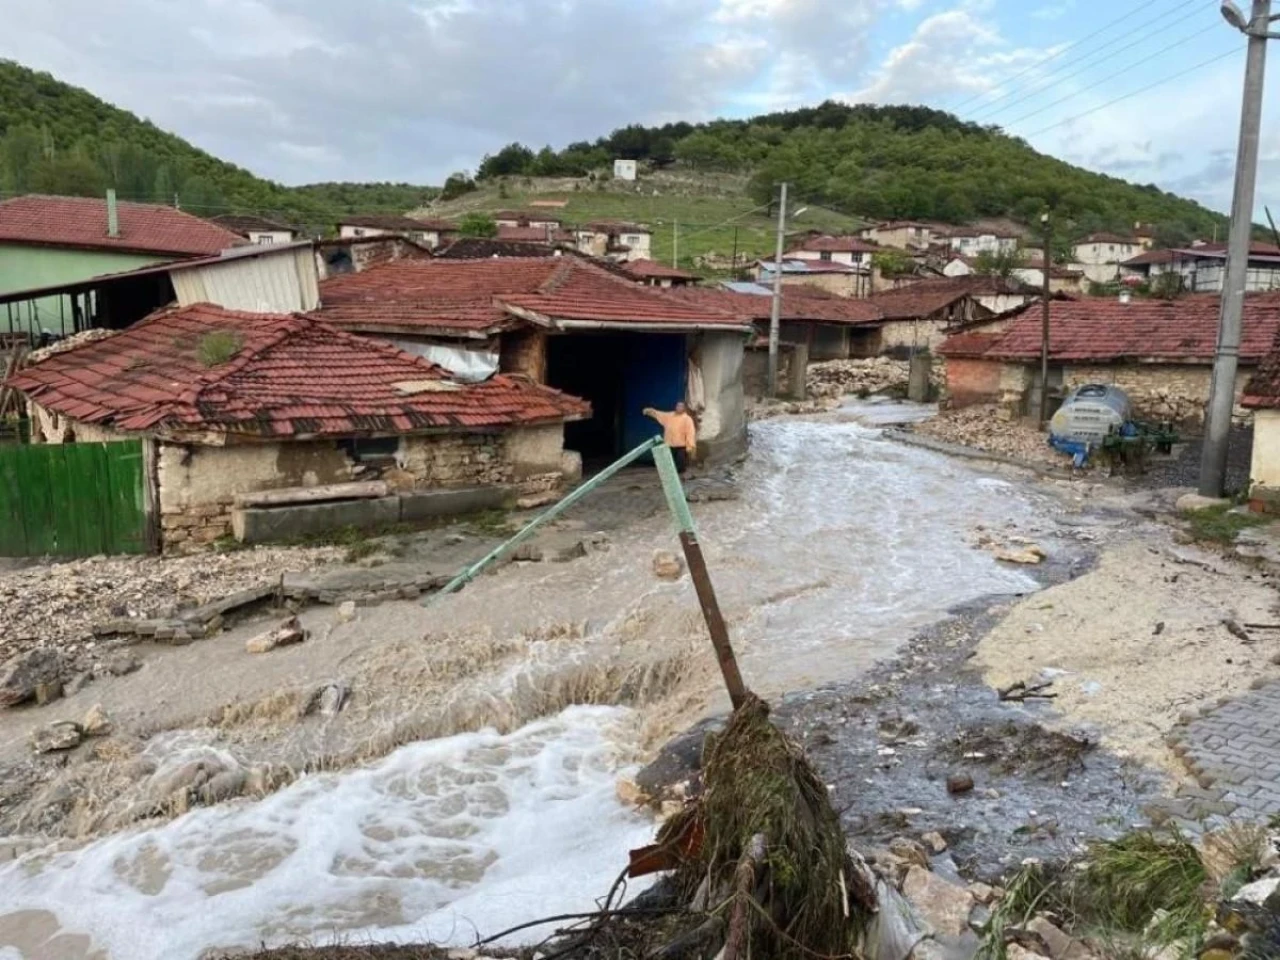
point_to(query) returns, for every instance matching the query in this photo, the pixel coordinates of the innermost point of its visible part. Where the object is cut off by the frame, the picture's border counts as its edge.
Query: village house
(1202, 267)
(542, 233)
(353, 254)
(1262, 396)
(812, 326)
(902, 234)
(1030, 273)
(828, 249)
(1145, 234)
(566, 322)
(256, 229)
(971, 241)
(1158, 351)
(45, 241)
(428, 232)
(832, 276)
(269, 278)
(257, 425)
(918, 317)
(615, 240)
(654, 274)
(1099, 255)
(527, 218)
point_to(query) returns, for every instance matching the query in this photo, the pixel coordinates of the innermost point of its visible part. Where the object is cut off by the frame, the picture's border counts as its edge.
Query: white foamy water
(845, 542)
(440, 840)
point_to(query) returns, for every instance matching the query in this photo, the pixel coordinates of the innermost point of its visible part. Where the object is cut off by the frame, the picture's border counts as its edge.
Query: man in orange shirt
(679, 432)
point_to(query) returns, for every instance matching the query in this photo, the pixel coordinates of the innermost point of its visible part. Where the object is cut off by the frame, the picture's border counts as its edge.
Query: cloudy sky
(307, 90)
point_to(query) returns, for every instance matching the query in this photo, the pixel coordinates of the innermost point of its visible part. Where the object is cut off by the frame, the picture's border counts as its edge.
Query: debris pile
(836, 378)
(60, 604)
(69, 343)
(986, 427)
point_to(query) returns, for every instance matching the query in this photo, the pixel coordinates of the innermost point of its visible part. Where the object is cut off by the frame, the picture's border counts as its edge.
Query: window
(825, 255)
(357, 231)
(366, 449)
(264, 238)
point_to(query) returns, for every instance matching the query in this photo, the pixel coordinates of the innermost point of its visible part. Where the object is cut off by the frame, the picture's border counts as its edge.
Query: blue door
(653, 375)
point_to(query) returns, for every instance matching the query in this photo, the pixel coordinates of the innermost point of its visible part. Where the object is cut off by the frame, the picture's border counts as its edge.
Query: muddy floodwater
(840, 545)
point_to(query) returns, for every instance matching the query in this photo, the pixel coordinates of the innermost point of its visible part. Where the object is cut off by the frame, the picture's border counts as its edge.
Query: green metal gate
(72, 499)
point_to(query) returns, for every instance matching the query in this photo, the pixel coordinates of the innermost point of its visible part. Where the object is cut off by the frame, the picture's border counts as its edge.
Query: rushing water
(841, 544)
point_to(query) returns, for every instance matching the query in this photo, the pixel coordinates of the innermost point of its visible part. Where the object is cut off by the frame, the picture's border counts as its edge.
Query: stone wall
(199, 484)
(1176, 392)
(841, 284)
(899, 334)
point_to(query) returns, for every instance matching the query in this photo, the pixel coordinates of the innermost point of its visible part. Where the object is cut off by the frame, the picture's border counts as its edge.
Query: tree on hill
(997, 263)
(477, 225)
(892, 263)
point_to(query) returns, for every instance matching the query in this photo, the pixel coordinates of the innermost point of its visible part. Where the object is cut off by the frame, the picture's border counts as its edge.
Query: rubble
(986, 427)
(58, 605)
(63, 735)
(25, 676)
(863, 377)
(96, 723)
(286, 633)
(667, 566)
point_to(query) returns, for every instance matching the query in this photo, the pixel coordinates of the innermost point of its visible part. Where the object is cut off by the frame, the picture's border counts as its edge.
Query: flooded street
(840, 546)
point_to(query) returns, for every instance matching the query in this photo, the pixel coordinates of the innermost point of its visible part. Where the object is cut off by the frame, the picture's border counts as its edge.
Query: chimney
(113, 215)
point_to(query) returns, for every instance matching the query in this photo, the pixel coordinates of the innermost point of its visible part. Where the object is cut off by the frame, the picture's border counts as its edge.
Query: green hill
(894, 162)
(56, 138)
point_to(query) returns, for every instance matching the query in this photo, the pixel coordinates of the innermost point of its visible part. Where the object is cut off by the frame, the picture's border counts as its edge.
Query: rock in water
(1027, 555)
(959, 783)
(667, 566)
(944, 906)
(96, 723)
(24, 674)
(62, 735)
(288, 632)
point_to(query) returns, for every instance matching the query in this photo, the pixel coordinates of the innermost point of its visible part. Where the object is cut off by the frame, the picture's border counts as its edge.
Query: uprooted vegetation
(1145, 893)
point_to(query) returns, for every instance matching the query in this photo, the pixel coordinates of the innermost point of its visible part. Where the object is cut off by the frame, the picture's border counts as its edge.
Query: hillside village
(329, 611)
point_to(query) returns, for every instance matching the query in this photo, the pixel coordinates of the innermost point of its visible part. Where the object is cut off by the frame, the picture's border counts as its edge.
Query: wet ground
(840, 547)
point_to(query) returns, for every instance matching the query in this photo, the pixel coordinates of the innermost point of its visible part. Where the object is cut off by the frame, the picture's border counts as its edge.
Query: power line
(1111, 76)
(1141, 6)
(1055, 77)
(1134, 93)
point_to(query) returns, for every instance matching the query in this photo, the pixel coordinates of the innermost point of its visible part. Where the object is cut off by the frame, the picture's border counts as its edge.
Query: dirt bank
(1139, 640)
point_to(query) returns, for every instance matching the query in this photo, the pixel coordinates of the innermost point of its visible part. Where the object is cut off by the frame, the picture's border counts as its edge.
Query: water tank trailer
(1099, 416)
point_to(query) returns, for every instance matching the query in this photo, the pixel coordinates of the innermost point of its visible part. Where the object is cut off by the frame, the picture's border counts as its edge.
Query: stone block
(296, 520)
(426, 504)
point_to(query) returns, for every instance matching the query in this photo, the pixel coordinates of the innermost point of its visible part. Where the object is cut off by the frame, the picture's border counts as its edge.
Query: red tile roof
(289, 376)
(81, 222)
(1107, 238)
(478, 297)
(796, 305)
(972, 344)
(525, 216)
(1148, 256)
(1104, 330)
(396, 223)
(927, 297)
(243, 224)
(533, 235)
(836, 245)
(644, 269)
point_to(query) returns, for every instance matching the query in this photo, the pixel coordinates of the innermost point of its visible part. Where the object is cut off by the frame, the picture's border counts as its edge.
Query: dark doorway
(620, 374)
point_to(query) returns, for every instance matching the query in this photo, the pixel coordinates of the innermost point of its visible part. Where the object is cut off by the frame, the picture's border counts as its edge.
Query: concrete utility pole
(675, 245)
(1044, 319)
(1213, 464)
(775, 310)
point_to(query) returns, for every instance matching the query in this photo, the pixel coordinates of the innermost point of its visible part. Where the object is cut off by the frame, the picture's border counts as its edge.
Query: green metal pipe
(473, 571)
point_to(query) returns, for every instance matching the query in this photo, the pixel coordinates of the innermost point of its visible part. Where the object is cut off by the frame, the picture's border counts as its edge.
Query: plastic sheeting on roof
(468, 365)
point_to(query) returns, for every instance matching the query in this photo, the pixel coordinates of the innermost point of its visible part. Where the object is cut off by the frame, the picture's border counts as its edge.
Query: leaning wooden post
(674, 491)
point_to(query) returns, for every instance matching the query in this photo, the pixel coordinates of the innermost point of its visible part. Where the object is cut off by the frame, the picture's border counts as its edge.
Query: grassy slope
(702, 215)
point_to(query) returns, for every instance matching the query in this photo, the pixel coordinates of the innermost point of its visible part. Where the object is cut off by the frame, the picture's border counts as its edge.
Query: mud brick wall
(972, 380)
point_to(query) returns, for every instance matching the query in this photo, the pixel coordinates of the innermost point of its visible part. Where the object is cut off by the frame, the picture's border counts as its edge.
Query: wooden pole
(716, 627)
